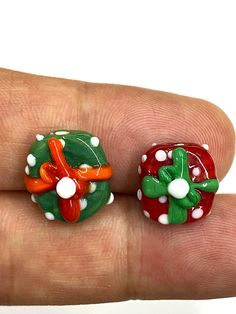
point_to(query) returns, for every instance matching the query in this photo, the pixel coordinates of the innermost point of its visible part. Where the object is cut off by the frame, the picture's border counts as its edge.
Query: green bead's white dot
(83, 203)
(160, 155)
(62, 142)
(66, 188)
(27, 170)
(92, 187)
(111, 199)
(31, 160)
(139, 194)
(146, 213)
(61, 132)
(33, 198)
(39, 137)
(85, 166)
(162, 199)
(49, 216)
(163, 219)
(197, 213)
(94, 141)
(178, 188)
(144, 158)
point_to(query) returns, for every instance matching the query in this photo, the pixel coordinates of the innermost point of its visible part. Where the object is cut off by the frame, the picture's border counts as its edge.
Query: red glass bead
(177, 183)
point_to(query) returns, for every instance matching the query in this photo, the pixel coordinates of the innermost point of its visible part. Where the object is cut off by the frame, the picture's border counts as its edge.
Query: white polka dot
(61, 132)
(146, 214)
(83, 203)
(154, 144)
(39, 137)
(111, 199)
(27, 170)
(197, 213)
(139, 194)
(178, 188)
(160, 155)
(139, 169)
(85, 166)
(144, 158)
(94, 141)
(31, 160)
(206, 146)
(49, 216)
(170, 154)
(163, 219)
(66, 188)
(33, 198)
(196, 171)
(92, 187)
(162, 199)
(62, 142)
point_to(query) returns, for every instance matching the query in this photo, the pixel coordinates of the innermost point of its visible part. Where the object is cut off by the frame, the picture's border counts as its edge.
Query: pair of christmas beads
(68, 176)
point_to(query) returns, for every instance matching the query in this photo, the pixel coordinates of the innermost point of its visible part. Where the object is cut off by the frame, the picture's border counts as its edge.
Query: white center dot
(31, 160)
(178, 188)
(160, 155)
(94, 141)
(66, 188)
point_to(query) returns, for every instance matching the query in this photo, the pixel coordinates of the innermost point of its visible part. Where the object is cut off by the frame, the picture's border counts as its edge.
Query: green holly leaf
(210, 185)
(153, 188)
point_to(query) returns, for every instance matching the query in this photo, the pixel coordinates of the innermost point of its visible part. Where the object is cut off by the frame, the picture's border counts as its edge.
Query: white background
(186, 47)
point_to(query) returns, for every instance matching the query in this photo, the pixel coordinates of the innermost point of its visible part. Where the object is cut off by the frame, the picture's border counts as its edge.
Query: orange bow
(52, 173)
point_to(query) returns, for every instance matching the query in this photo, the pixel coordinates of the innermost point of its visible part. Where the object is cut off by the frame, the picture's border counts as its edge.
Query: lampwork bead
(177, 183)
(68, 175)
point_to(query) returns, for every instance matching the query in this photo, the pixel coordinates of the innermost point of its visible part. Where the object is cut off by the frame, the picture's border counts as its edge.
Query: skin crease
(118, 254)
